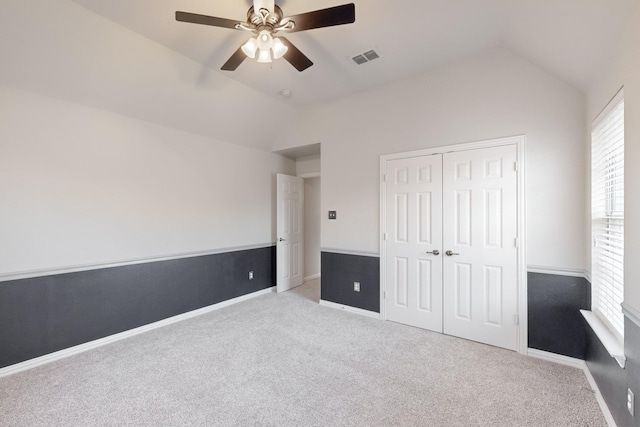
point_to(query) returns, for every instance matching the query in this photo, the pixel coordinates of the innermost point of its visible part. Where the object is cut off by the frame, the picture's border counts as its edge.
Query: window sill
(610, 342)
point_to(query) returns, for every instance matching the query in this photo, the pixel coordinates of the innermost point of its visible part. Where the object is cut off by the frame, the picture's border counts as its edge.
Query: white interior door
(450, 261)
(480, 260)
(414, 241)
(290, 226)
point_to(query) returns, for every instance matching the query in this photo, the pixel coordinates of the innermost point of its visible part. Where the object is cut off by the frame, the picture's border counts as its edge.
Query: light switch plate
(333, 215)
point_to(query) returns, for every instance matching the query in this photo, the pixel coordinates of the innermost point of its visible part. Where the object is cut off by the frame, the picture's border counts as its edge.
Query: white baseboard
(580, 364)
(603, 405)
(557, 358)
(312, 277)
(350, 309)
(52, 357)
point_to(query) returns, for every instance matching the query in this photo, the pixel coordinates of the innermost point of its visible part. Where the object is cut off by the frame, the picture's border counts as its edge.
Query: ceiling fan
(264, 20)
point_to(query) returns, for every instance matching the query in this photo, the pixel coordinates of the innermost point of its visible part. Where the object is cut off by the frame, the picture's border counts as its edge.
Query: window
(607, 215)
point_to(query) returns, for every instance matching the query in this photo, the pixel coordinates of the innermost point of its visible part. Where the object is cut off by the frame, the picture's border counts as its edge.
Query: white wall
(492, 95)
(312, 221)
(83, 186)
(308, 166)
(625, 71)
(62, 50)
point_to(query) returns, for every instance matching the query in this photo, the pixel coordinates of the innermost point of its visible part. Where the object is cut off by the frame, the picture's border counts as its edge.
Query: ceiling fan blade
(338, 15)
(295, 57)
(194, 18)
(235, 60)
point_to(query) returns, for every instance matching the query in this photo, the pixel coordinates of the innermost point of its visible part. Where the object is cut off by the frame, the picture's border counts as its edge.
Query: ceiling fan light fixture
(250, 47)
(264, 56)
(265, 40)
(279, 48)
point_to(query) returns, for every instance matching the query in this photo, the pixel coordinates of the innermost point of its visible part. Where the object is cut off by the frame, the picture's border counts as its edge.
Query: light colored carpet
(283, 360)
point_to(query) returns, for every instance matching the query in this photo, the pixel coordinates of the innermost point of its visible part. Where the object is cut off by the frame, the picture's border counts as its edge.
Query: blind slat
(607, 212)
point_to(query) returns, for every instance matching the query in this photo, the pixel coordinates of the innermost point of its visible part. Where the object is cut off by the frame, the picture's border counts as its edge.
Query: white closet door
(480, 230)
(414, 241)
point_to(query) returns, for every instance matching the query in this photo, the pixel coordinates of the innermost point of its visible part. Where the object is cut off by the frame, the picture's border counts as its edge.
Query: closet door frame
(520, 143)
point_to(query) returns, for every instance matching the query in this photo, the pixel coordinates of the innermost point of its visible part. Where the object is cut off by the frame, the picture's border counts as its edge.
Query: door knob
(451, 253)
(435, 252)
(282, 240)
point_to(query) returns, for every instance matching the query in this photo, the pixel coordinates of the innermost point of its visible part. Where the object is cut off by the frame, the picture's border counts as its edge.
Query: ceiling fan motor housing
(272, 19)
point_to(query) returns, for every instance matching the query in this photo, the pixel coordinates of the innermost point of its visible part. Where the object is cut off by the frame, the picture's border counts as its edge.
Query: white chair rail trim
(631, 313)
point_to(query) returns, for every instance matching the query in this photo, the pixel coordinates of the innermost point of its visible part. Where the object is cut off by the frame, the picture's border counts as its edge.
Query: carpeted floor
(284, 360)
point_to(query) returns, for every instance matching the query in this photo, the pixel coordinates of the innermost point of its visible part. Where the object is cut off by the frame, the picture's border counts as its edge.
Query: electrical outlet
(251, 275)
(630, 402)
(333, 215)
(356, 286)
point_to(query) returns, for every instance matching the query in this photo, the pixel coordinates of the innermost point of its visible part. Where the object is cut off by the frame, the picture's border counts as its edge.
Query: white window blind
(607, 215)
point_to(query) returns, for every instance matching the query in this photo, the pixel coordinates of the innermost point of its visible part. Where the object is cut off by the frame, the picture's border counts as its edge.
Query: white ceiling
(90, 52)
(568, 38)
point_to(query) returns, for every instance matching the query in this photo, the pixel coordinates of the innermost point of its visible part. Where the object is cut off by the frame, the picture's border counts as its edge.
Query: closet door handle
(434, 252)
(451, 253)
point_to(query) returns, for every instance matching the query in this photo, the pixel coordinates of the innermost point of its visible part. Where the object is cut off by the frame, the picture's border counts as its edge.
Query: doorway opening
(305, 262)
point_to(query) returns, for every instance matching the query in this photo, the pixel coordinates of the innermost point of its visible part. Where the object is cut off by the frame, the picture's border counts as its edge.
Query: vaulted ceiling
(568, 38)
(133, 58)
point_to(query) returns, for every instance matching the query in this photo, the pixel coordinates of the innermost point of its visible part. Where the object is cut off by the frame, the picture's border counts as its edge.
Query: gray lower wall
(612, 380)
(554, 301)
(632, 367)
(339, 271)
(42, 315)
(554, 319)
(50, 313)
